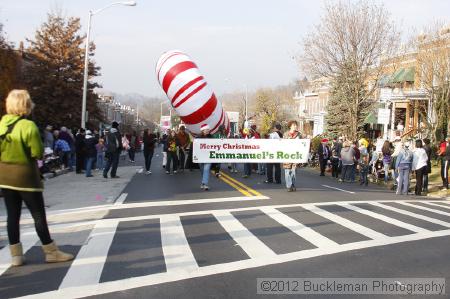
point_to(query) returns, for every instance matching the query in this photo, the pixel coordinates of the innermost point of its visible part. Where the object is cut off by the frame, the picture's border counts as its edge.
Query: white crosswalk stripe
(254, 248)
(386, 219)
(404, 212)
(82, 278)
(425, 209)
(365, 231)
(303, 231)
(88, 265)
(178, 254)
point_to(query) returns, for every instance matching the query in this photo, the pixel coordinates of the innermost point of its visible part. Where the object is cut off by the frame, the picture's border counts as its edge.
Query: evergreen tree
(55, 72)
(348, 106)
(8, 69)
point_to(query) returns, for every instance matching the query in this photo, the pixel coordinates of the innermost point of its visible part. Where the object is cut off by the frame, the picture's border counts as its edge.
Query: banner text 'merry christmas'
(228, 146)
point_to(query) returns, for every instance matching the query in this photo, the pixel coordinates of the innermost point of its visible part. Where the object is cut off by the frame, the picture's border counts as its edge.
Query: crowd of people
(393, 161)
(23, 146)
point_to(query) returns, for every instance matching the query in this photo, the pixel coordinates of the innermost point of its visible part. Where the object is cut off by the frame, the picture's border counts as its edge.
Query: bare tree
(347, 47)
(433, 61)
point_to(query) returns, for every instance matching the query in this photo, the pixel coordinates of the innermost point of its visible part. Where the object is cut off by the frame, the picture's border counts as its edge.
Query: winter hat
(88, 132)
(324, 140)
(115, 125)
(204, 127)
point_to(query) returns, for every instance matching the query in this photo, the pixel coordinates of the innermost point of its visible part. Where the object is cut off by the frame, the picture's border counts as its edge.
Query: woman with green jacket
(20, 148)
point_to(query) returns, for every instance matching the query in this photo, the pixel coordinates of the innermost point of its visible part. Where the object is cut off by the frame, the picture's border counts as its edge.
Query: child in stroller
(377, 167)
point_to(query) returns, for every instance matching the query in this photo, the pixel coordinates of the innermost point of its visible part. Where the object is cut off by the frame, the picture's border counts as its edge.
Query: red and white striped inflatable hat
(189, 93)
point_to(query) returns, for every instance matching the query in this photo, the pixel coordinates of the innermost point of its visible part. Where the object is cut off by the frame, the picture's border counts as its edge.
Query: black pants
(80, 162)
(419, 180)
(172, 158)
(335, 169)
(444, 172)
(182, 159)
(112, 161)
(131, 153)
(323, 165)
(270, 167)
(148, 156)
(35, 203)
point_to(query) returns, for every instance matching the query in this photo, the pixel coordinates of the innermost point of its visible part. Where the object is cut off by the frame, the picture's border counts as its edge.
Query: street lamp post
(86, 55)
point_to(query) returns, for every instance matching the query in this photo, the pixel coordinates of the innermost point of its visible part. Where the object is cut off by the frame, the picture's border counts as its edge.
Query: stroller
(50, 162)
(377, 172)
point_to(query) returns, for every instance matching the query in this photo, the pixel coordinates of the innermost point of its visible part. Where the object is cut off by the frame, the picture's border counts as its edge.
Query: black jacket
(79, 144)
(91, 151)
(321, 153)
(113, 141)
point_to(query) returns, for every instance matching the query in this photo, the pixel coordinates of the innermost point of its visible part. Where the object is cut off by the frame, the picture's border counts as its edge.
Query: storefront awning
(403, 75)
(371, 118)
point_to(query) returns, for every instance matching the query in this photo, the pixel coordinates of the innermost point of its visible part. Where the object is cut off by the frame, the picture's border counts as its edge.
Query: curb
(51, 175)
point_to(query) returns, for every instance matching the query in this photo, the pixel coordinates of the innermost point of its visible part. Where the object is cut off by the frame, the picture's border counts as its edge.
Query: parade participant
(403, 169)
(20, 148)
(205, 168)
(172, 149)
(324, 154)
(290, 168)
(221, 134)
(419, 165)
(276, 134)
(185, 142)
(113, 150)
(164, 145)
(248, 134)
(149, 140)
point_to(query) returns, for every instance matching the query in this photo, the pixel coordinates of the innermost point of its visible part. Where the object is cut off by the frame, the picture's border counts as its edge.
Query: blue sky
(234, 42)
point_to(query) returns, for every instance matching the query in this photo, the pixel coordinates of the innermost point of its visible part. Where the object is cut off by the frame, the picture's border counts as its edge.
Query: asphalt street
(166, 238)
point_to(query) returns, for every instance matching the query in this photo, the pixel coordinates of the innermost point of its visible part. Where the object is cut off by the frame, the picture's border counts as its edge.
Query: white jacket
(420, 158)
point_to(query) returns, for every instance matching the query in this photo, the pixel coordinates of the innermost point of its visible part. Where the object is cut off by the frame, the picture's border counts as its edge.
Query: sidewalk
(71, 191)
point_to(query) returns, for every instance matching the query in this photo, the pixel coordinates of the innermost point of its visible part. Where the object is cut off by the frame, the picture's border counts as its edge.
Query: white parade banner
(251, 150)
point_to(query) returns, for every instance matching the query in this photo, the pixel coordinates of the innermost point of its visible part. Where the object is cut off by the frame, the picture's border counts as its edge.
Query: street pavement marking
(296, 227)
(365, 231)
(436, 205)
(87, 267)
(172, 227)
(249, 189)
(339, 189)
(186, 202)
(238, 188)
(404, 212)
(425, 208)
(390, 220)
(28, 241)
(120, 200)
(177, 252)
(252, 246)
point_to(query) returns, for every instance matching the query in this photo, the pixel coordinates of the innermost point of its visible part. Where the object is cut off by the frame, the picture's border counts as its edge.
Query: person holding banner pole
(290, 168)
(205, 168)
(276, 134)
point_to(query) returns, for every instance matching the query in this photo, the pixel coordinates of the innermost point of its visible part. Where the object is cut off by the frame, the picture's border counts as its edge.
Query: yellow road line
(251, 190)
(243, 191)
